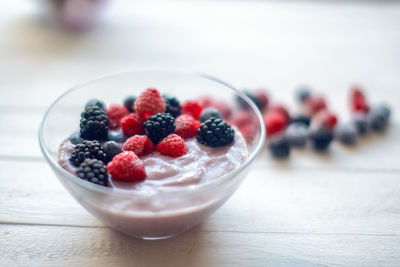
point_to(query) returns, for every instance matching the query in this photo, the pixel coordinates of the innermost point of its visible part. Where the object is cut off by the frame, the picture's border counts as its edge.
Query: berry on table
(243, 104)
(296, 134)
(129, 103)
(275, 122)
(360, 122)
(302, 94)
(115, 113)
(75, 138)
(378, 119)
(94, 124)
(358, 101)
(159, 126)
(186, 126)
(325, 119)
(192, 107)
(127, 167)
(172, 105)
(149, 103)
(301, 118)
(346, 134)
(172, 145)
(132, 124)
(87, 150)
(141, 145)
(209, 113)
(280, 109)
(111, 148)
(315, 104)
(94, 171)
(215, 133)
(95, 102)
(262, 99)
(279, 147)
(321, 138)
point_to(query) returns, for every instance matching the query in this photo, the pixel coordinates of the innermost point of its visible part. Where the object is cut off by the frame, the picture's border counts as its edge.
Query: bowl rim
(109, 190)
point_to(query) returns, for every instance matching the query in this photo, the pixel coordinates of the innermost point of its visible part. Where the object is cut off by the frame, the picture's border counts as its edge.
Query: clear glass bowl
(123, 210)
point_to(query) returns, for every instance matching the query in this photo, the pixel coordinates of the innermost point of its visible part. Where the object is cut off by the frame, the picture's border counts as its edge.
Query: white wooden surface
(342, 208)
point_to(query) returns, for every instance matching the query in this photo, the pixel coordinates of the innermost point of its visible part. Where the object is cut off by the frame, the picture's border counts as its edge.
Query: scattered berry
(248, 131)
(296, 134)
(223, 108)
(141, 145)
(360, 122)
(208, 113)
(243, 104)
(325, 119)
(94, 124)
(261, 99)
(244, 117)
(384, 110)
(95, 102)
(315, 104)
(321, 138)
(127, 167)
(346, 134)
(358, 100)
(193, 108)
(129, 103)
(186, 126)
(302, 94)
(94, 171)
(159, 126)
(132, 124)
(172, 145)
(87, 150)
(172, 106)
(206, 101)
(301, 118)
(149, 103)
(75, 138)
(378, 119)
(275, 122)
(115, 113)
(111, 148)
(215, 133)
(279, 147)
(280, 109)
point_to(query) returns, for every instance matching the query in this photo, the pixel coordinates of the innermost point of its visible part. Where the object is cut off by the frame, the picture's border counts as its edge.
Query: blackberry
(172, 106)
(209, 113)
(360, 123)
(279, 147)
(87, 150)
(215, 132)
(94, 124)
(301, 118)
(159, 126)
(129, 103)
(302, 94)
(75, 138)
(111, 148)
(321, 138)
(94, 171)
(96, 102)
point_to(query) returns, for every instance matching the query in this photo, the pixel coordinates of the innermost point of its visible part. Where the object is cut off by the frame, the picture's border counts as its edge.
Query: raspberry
(193, 108)
(94, 124)
(132, 124)
(358, 100)
(248, 131)
(115, 113)
(206, 101)
(127, 167)
(274, 122)
(325, 119)
(208, 113)
(87, 150)
(141, 145)
(186, 126)
(95, 102)
(261, 98)
(149, 103)
(172, 145)
(172, 106)
(242, 118)
(129, 103)
(159, 126)
(315, 104)
(94, 171)
(215, 133)
(280, 109)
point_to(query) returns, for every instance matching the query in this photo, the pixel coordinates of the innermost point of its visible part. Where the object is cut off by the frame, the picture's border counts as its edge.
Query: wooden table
(342, 208)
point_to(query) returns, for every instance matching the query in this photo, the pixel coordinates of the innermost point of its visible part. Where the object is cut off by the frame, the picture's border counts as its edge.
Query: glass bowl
(181, 208)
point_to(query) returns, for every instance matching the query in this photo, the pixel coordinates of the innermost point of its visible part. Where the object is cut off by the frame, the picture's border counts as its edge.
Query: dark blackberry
(279, 147)
(94, 171)
(94, 124)
(243, 104)
(321, 138)
(75, 138)
(302, 94)
(129, 103)
(301, 118)
(361, 124)
(215, 132)
(172, 105)
(111, 148)
(209, 113)
(96, 102)
(159, 126)
(87, 150)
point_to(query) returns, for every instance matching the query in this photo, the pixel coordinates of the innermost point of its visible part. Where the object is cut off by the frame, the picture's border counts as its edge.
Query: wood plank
(76, 246)
(277, 200)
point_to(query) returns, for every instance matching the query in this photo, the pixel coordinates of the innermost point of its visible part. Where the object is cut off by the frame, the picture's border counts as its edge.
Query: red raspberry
(280, 109)
(193, 108)
(141, 145)
(132, 124)
(274, 122)
(149, 103)
(126, 166)
(315, 104)
(358, 101)
(242, 118)
(262, 98)
(248, 131)
(172, 145)
(206, 101)
(115, 113)
(325, 118)
(186, 126)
